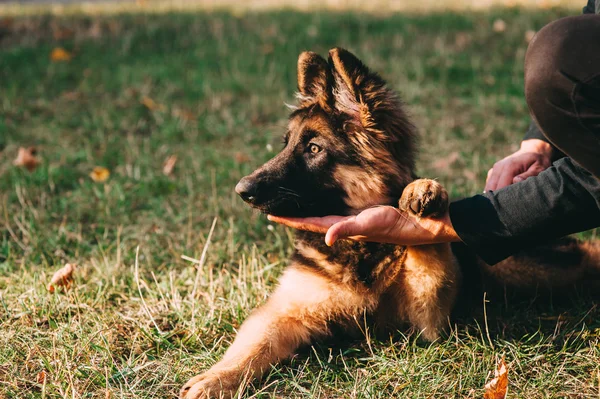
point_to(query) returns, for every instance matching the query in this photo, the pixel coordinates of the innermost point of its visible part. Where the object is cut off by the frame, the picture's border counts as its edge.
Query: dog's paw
(211, 385)
(424, 198)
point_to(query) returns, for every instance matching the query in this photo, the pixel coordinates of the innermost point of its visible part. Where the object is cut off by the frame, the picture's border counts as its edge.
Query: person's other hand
(384, 224)
(531, 159)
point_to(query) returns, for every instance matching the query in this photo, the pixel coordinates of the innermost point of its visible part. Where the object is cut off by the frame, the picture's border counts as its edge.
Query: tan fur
(419, 288)
(432, 278)
(363, 189)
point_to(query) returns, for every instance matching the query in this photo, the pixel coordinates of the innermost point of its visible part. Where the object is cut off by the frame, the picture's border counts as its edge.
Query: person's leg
(562, 87)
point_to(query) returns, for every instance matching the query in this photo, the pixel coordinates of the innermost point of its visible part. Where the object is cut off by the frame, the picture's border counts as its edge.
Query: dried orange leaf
(41, 377)
(499, 26)
(60, 54)
(529, 35)
(447, 161)
(62, 278)
(241, 157)
(469, 175)
(462, 40)
(184, 114)
(6, 22)
(151, 104)
(267, 48)
(60, 33)
(100, 174)
(27, 158)
(497, 388)
(169, 165)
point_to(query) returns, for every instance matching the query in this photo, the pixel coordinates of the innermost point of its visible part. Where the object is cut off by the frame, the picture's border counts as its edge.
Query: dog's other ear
(357, 91)
(348, 70)
(313, 79)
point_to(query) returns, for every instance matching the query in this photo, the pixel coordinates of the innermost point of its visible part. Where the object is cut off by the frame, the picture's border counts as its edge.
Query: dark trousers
(562, 87)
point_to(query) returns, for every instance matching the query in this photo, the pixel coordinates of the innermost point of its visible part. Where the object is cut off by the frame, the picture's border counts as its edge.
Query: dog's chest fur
(348, 260)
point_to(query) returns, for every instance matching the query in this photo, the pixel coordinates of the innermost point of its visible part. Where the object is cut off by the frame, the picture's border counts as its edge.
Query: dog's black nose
(247, 189)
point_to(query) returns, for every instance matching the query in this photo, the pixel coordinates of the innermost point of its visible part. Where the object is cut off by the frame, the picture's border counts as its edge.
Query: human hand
(531, 159)
(384, 224)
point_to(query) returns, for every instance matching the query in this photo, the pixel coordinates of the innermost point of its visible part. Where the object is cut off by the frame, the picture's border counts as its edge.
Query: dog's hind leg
(299, 310)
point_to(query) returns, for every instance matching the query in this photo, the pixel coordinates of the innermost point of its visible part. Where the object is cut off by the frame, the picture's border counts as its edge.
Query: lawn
(211, 88)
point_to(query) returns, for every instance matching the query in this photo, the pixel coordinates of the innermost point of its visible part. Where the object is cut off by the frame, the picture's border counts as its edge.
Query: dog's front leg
(299, 310)
(431, 273)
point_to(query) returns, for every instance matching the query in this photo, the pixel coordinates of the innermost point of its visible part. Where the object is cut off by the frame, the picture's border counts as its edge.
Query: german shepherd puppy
(350, 145)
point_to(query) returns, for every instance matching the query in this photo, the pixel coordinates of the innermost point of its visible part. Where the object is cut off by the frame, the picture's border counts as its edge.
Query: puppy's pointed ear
(314, 79)
(356, 88)
(348, 70)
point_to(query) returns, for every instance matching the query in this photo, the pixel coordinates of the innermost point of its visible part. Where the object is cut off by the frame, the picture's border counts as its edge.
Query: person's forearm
(560, 201)
(534, 132)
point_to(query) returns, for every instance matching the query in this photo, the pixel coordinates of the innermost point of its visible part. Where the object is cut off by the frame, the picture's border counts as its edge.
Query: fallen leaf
(489, 80)
(241, 157)
(312, 31)
(529, 35)
(95, 30)
(27, 158)
(6, 23)
(61, 33)
(184, 114)
(62, 278)
(151, 104)
(447, 161)
(497, 388)
(71, 95)
(59, 54)
(41, 377)
(499, 26)
(100, 174)
(267, 48)
(169, 165)
(469, 175)
(462, 40)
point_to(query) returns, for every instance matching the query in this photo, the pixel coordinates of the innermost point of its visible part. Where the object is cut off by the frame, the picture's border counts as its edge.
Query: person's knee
(546, 60)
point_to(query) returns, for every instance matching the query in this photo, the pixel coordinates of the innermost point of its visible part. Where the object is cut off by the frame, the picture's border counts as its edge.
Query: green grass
(233, 74)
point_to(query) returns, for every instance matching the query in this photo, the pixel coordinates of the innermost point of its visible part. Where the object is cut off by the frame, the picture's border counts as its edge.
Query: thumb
(529, 173)
(343, 229)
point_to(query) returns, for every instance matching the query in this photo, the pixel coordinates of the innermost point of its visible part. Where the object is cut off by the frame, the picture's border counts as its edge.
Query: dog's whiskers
(284, 190)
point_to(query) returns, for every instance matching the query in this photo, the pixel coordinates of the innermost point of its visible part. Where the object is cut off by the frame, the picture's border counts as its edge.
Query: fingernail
(518, 179)
(328, 240)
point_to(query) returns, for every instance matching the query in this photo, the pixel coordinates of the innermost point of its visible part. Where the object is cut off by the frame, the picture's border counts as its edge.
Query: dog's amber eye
(314, 148)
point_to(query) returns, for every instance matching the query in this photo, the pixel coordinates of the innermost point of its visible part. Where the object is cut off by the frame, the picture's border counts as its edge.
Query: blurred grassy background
(210, 87)
(374, 6)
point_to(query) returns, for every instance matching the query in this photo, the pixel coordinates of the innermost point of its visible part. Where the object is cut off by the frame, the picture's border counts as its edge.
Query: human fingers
(344, 229)
(533, 171)
(508, 174)
(314, 224)
(493, 176)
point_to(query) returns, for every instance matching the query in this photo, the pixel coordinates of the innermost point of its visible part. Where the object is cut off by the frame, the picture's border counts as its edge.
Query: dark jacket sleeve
(590, 8)
(534, 132)
(563, 199)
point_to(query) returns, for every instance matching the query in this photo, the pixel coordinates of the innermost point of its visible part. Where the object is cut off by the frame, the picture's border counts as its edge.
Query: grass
(220, 82)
